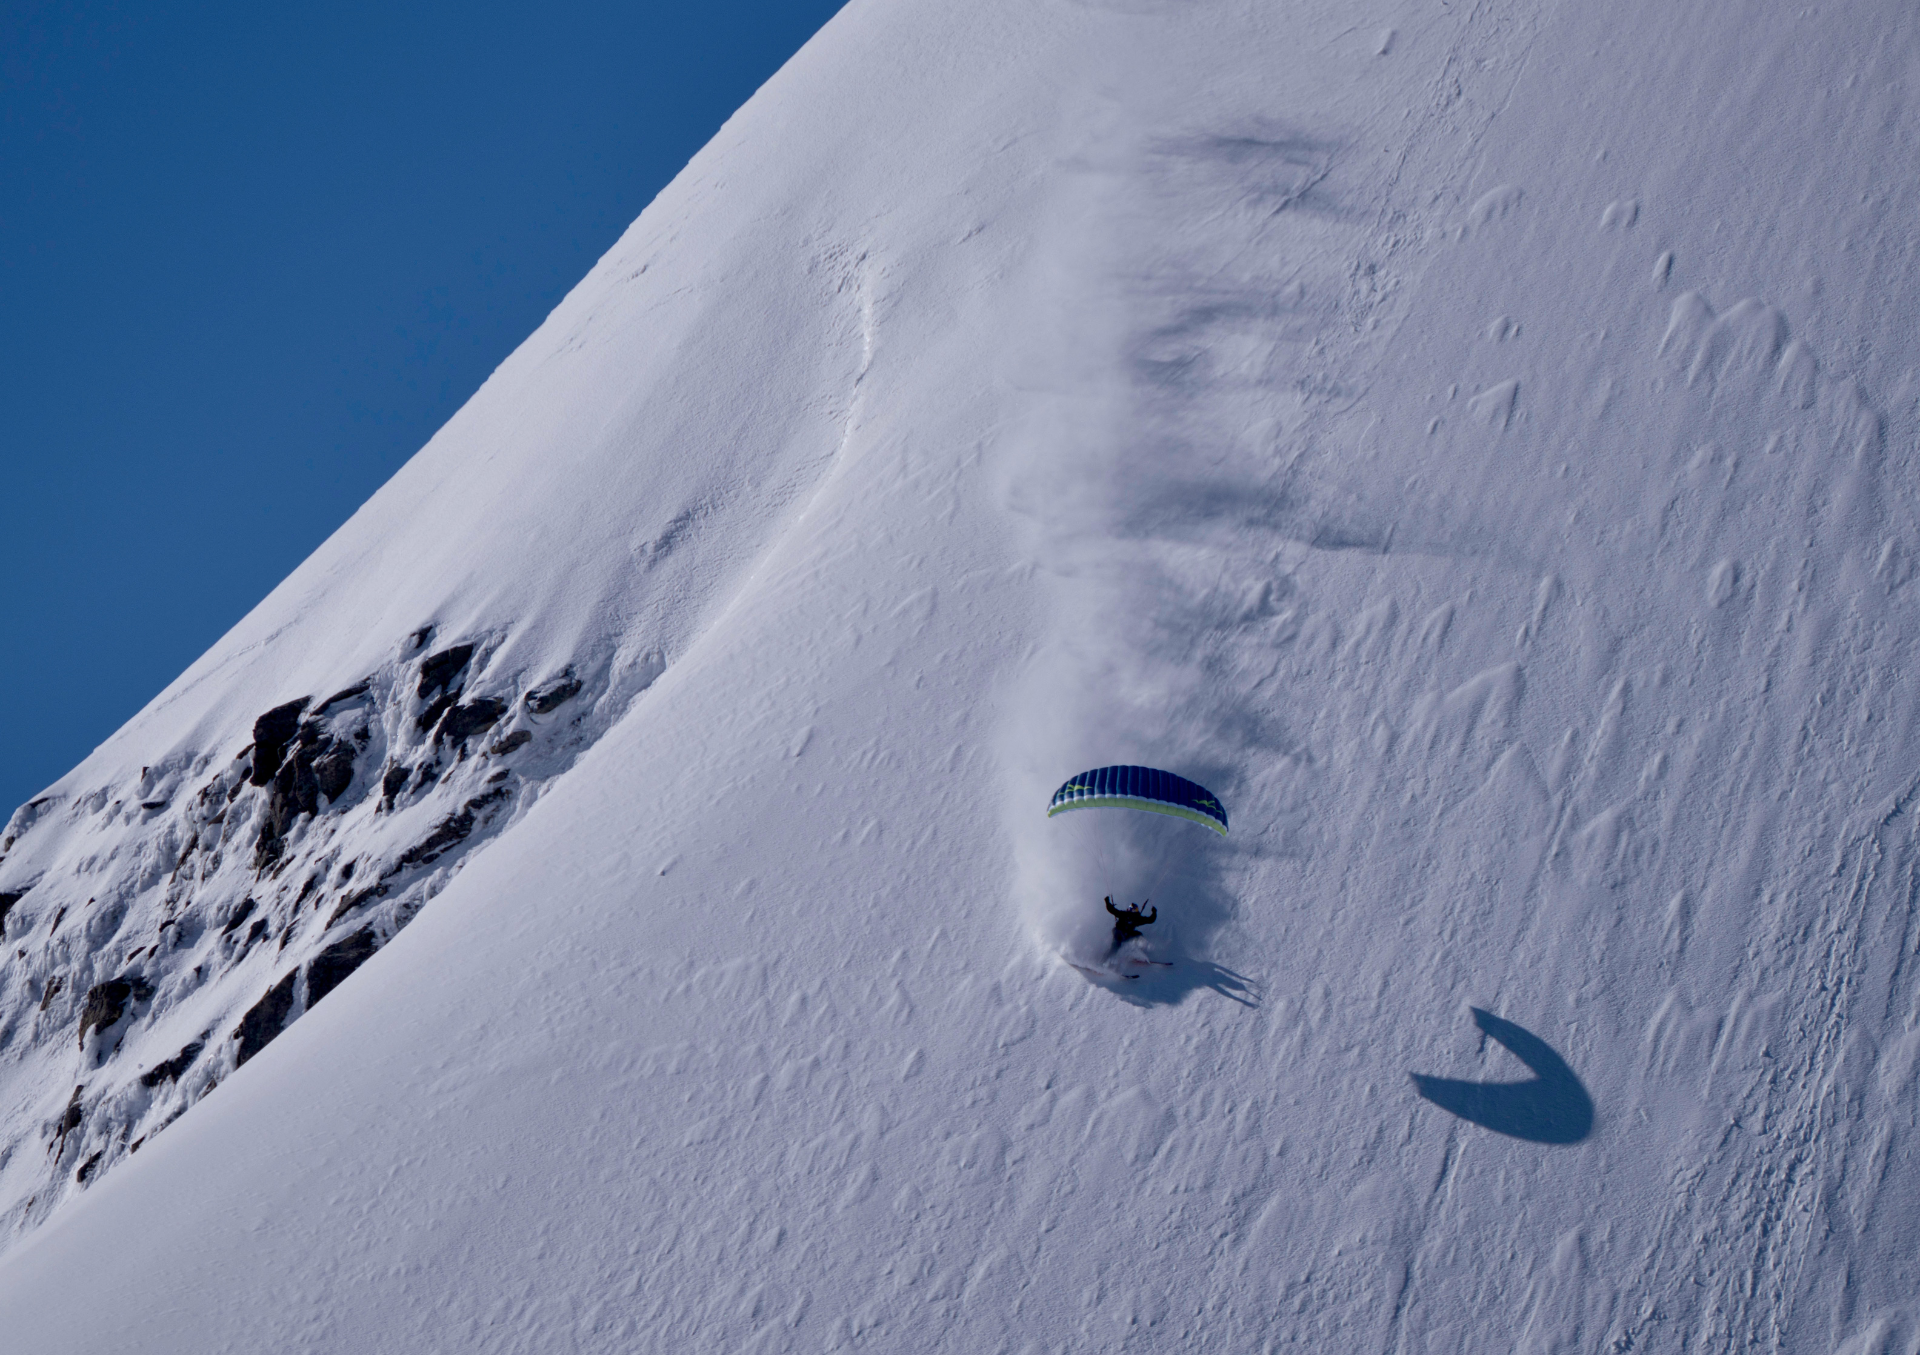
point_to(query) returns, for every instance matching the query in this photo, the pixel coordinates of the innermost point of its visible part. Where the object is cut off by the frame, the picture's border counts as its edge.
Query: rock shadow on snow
(1550, 1107)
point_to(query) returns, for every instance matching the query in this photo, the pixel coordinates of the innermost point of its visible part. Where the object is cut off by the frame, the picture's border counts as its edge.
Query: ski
(1101, 972)
(1094, 972)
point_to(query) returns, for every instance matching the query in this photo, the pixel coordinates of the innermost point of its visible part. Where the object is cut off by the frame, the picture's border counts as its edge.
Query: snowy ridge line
(141, 907)
(165, 928)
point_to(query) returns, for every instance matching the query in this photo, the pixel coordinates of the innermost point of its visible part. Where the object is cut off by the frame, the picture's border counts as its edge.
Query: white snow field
(1476, 441)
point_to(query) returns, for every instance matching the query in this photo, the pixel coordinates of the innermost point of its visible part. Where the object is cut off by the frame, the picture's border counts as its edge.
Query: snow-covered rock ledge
(164, 929)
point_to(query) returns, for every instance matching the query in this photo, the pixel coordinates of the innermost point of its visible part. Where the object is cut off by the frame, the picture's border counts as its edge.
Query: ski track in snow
(1422, 428)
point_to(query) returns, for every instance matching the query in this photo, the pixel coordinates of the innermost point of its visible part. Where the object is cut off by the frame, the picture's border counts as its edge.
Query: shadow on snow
(1550, 1107)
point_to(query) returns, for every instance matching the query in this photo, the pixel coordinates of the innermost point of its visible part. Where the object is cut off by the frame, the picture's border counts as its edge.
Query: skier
(1128, 921)
(1157, 792)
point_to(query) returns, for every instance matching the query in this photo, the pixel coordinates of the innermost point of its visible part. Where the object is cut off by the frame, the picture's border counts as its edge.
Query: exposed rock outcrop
(240, 915)
(463, 722)
(124, 900)
(70, 1119)
(272, 733)
(341, 697)
(349, 902)
(320, 764)
(520, 738)
(550, 695)
(450, 831)
(169, 1070)
(331, 966)
(106, 1003)
(265, 1019)
(438, 671)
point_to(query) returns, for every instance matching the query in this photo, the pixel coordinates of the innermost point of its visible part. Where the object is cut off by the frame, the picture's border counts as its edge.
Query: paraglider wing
(1145, 788)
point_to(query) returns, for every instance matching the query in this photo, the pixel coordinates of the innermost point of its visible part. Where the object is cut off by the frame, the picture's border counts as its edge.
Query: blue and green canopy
(1145, 788)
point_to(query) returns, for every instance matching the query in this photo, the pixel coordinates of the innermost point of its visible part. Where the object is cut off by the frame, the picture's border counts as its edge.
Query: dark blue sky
(252, 256)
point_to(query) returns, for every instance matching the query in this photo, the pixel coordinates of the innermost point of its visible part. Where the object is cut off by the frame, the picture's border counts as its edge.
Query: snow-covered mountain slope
(1476, 443)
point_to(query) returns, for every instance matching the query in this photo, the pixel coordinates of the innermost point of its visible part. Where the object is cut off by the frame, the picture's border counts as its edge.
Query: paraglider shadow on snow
(1550, 1107)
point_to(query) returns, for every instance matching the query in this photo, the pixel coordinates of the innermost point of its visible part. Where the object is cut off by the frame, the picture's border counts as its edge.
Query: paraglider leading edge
(1146, 788)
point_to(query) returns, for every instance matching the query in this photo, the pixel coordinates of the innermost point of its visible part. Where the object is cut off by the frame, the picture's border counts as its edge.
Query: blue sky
(252, 256)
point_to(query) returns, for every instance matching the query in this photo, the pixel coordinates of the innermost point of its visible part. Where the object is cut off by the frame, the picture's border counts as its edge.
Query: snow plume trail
(1173, 305)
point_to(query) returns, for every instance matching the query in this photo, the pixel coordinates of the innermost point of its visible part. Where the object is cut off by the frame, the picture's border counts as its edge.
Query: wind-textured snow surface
(1475, 442)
